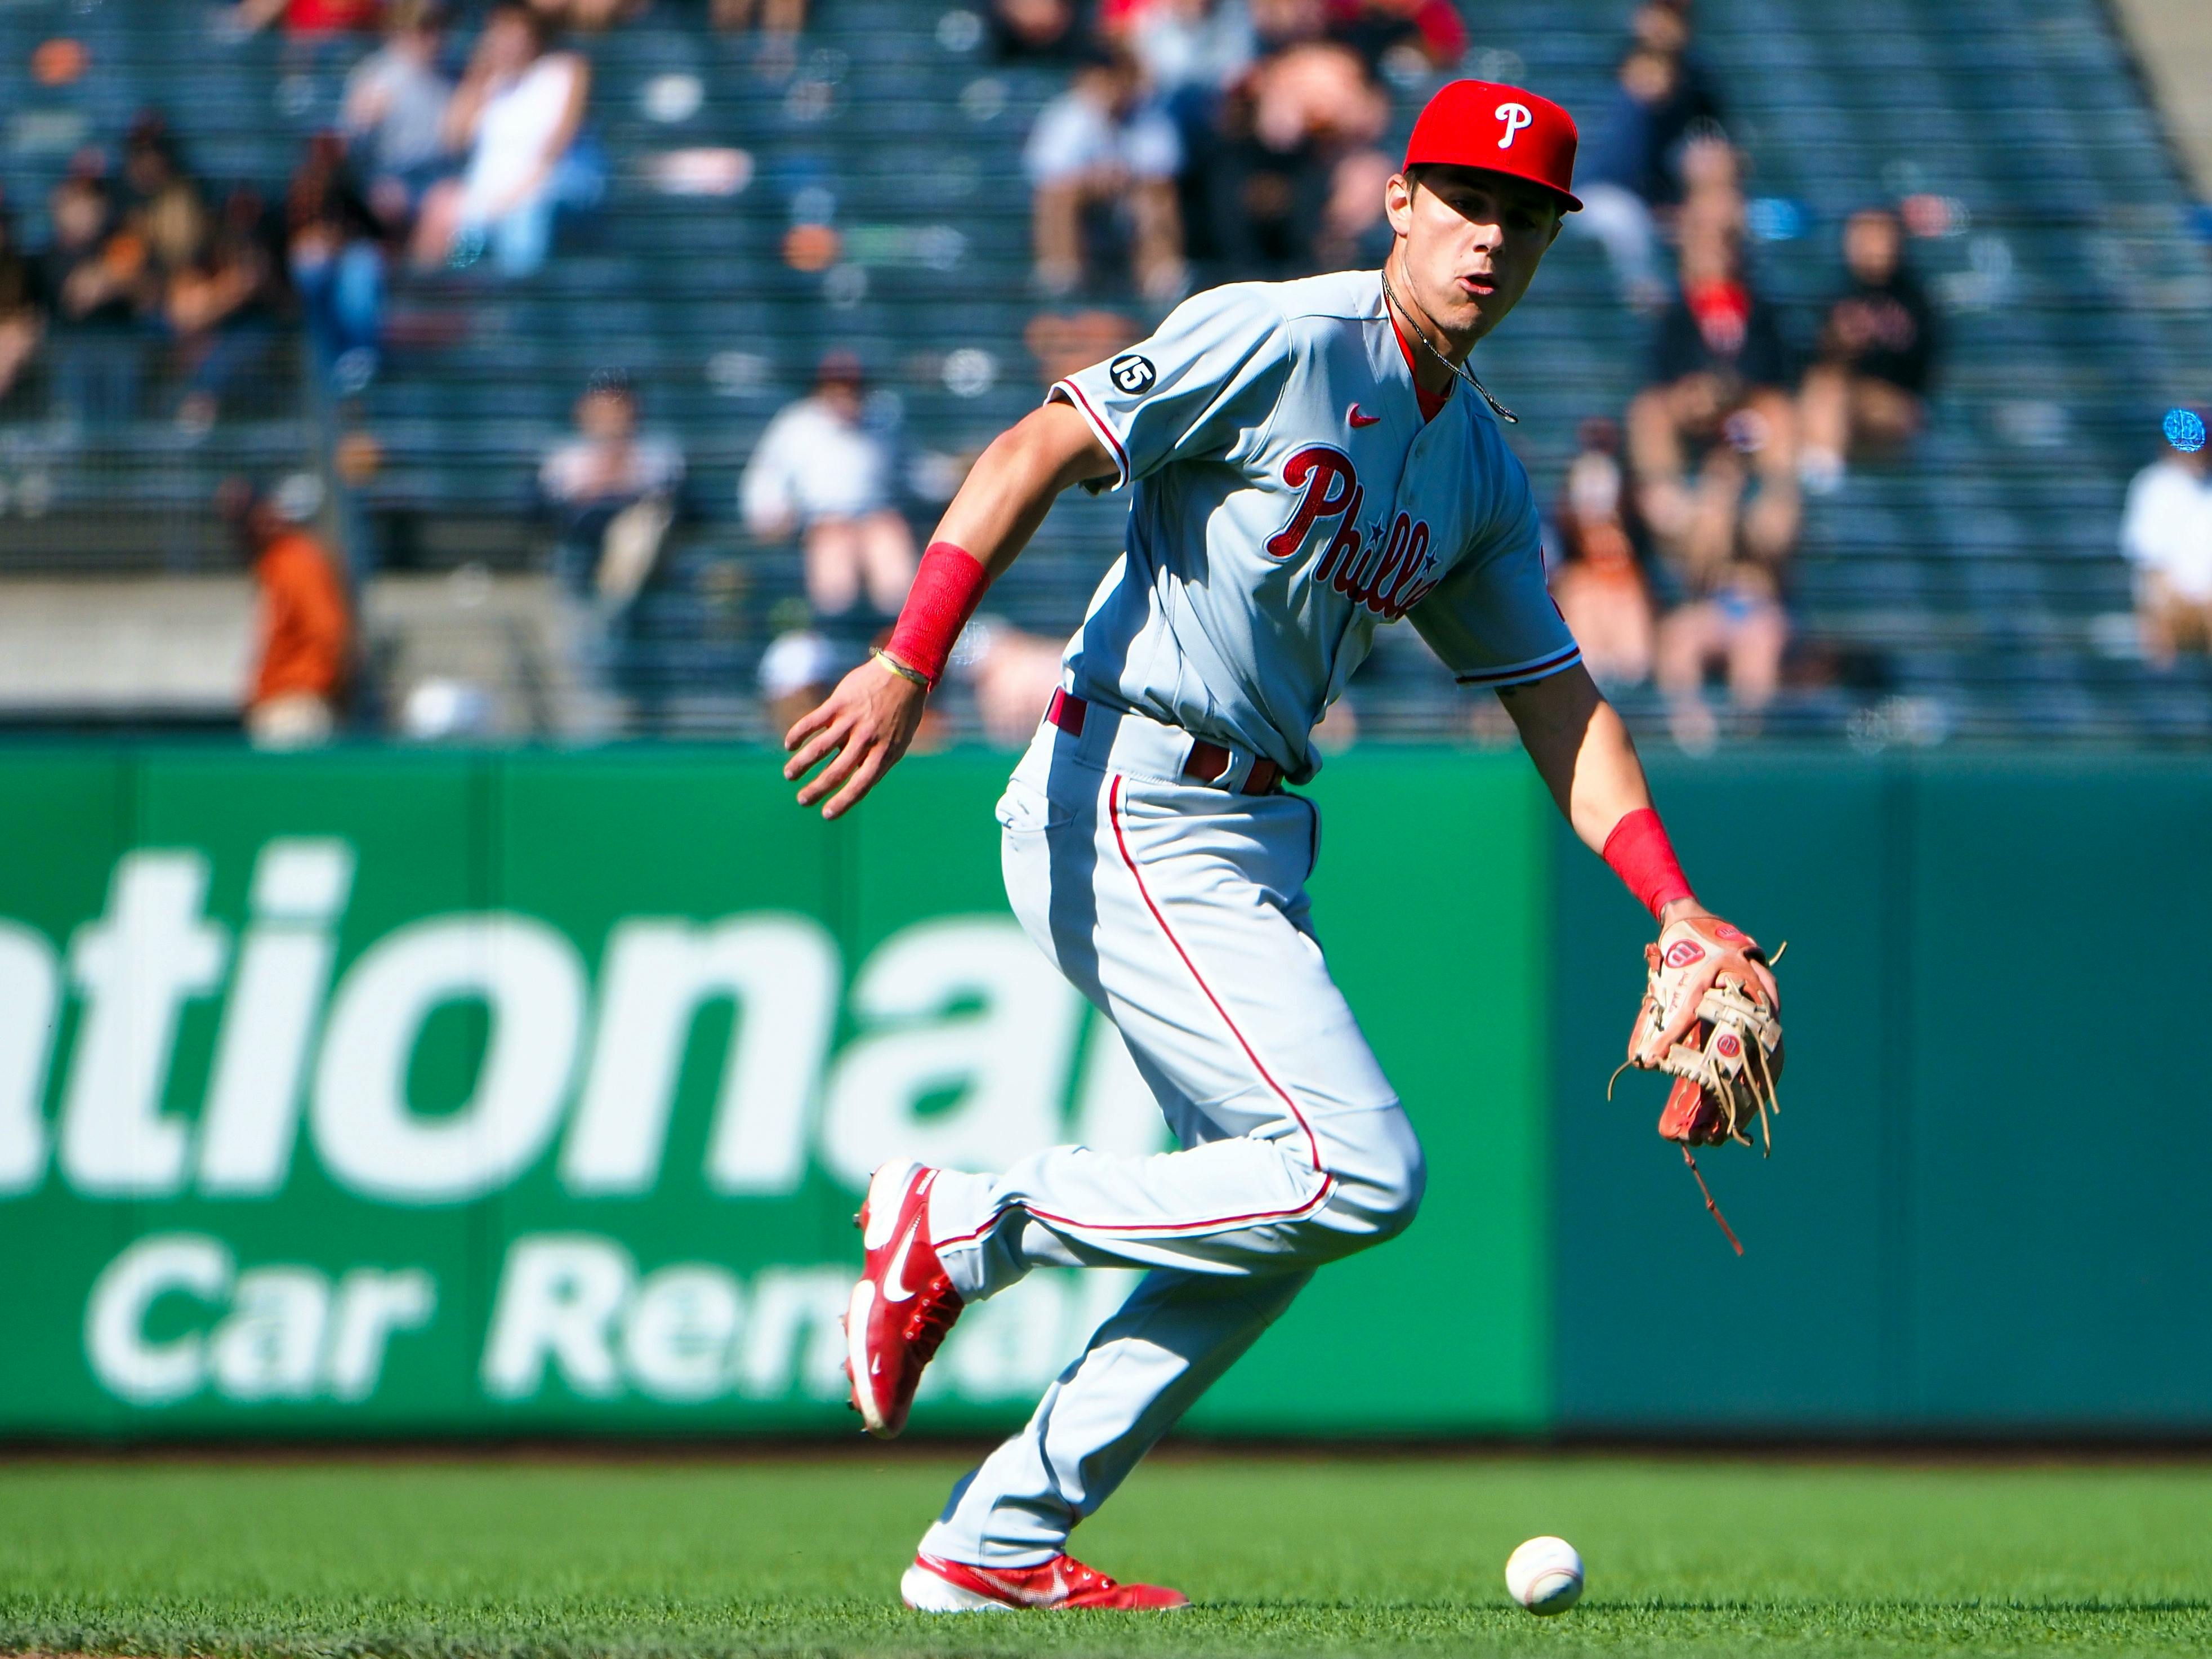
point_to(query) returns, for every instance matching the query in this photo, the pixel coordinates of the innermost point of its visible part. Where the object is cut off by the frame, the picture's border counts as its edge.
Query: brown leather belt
(1207, 763)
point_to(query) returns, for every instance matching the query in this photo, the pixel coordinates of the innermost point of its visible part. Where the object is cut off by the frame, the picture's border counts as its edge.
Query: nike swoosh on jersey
(895, 1285)
(1358, 419)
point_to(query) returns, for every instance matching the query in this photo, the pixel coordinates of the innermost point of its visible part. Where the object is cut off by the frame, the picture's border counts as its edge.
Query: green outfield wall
(403, 1093)
(1988, 1209)
(408, 1093)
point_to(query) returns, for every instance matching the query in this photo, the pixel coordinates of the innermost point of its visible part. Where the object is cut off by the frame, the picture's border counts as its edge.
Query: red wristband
(947, 589)
(1641, 855)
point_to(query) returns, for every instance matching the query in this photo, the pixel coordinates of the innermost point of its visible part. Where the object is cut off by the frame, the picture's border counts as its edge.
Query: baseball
(1545, 1576)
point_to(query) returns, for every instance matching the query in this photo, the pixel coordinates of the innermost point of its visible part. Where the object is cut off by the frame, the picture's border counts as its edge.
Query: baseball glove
(1725, 1055)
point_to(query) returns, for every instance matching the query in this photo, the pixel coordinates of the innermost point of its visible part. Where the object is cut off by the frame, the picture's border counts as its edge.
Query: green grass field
(450, 1561)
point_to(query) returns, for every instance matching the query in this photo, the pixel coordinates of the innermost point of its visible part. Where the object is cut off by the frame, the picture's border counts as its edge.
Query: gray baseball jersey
(1287, 496)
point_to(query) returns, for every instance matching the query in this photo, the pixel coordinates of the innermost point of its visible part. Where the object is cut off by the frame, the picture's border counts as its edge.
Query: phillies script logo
(1389, 573)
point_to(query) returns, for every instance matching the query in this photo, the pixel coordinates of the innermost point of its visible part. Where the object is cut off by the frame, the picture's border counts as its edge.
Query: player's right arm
(864, 725)
(1015, 481)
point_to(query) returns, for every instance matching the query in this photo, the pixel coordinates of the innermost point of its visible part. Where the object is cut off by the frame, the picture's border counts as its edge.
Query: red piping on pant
(1209, 1224)
(1113, 809)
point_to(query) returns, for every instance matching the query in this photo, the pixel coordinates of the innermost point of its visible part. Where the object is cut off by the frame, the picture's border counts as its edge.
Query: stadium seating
(1972, 589)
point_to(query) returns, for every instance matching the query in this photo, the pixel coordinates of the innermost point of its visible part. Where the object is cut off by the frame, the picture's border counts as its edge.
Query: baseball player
(1306, 460)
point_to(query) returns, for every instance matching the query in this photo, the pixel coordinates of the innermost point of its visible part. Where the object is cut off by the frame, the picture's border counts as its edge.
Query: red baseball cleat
(931, 1585)
(903, 1303)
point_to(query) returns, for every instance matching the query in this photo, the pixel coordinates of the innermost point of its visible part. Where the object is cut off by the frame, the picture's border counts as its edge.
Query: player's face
(1471, 242)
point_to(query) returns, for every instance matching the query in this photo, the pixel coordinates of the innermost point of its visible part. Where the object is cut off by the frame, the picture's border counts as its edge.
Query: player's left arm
(1490, 620)
(1582, 752)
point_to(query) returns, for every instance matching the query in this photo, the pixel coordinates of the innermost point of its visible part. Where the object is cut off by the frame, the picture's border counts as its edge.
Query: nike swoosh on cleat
(895, 1285)
(1358, 419)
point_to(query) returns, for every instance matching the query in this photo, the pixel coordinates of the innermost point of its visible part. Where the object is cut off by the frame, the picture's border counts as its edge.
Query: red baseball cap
(1498, 129)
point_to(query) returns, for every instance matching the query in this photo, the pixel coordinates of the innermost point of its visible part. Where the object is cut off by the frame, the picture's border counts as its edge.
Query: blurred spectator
(337, 264)
(1629, 171)
(158, 194)
(306, 623)
(1718, 400)
(160, 197)
(1429, 33)
(1282, 23)
(1668, 26)
(1035, 30)
(101, 287)
(613, 491)
(589, 15)
(2167, 537)
(1736, 622)
(306, 17)
(821, 471)
(22, 305)
(1196, 46)
(1624, 173)
(1295, 182)
(1317, 103)
(213, 273)
(796, 671)
(219, 296)
(1316, 92)
(1711, 173)
(1190, 50)
(1191, 53)
(1014, 675)
(1600, 580)
(1877, 348)
(1352, 230)
(1100, 147)
(519, 111)
(1632, 172)
(780, 20)
(1718, 403)
(1063, 341)
(394, 114)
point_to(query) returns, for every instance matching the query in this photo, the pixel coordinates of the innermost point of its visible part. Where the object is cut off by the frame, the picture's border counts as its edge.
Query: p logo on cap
(1495, 128)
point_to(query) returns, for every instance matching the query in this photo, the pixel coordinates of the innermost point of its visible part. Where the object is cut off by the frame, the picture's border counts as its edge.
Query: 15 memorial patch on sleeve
(1132, 374)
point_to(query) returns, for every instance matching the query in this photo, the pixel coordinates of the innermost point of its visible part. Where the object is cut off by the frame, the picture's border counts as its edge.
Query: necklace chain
(1460, 370)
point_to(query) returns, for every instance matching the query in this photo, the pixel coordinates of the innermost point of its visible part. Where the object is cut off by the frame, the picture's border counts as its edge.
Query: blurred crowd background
(594, 369)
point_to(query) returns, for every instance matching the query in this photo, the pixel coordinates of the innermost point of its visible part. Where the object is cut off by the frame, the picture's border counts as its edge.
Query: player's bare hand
(1703, 947)
(861, 728)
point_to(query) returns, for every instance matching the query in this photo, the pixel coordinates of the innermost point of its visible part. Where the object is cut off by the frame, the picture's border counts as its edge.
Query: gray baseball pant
(1179, 910)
